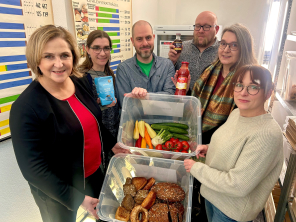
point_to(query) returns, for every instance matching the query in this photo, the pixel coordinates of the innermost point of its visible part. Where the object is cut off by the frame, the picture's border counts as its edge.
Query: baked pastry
(139, 182)
(122, 214)
(149, 200)
(149, 184)
(176, 211)
(135, 214)
(169, 192)
(159, 212)
(129, 189)
(128, 202)
(128, 180)
(140, 196)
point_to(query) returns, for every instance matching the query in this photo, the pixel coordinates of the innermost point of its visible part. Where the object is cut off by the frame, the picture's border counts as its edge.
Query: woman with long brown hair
(97, 64)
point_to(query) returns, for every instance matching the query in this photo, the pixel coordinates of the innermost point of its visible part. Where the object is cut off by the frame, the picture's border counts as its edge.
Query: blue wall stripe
(115, 62)
(4, 25)
(12, 35)
(14, 75)
(17, 66)
(11, 2)
(12, 43)
(12, 11)
(113, 67)
(15, 83)
(12, 58)
(114, 21)
(111, 29)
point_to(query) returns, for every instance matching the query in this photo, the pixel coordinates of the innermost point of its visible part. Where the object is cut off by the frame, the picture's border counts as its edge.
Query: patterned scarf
(215, 107)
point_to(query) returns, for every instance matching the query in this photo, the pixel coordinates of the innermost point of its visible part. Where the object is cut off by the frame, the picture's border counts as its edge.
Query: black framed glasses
(99, 50)
(204, 27)
(232, 46)
(251, 89)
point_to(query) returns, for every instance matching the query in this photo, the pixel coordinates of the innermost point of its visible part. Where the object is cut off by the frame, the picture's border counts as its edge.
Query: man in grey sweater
(145, 72)
(201, 51)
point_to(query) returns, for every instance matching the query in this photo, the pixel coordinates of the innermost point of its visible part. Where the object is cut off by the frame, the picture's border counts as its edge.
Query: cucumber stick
(169, 128)
(179, 125)
(179, 136)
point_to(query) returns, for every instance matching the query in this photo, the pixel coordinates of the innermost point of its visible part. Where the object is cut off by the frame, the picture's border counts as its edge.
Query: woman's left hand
(188, 163)
(175, 80)
(117, 149)
(89, 204)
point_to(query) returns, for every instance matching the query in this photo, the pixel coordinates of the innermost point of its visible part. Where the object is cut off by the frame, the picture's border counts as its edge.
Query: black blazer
(48, 141)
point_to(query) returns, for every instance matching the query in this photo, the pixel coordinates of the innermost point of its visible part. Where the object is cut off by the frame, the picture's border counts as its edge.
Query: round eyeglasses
(99, 50)
(251, 89)
(232, 46)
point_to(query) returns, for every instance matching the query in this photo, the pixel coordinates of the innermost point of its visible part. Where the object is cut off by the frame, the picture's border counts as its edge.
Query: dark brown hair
(88, 64)
(258, 74)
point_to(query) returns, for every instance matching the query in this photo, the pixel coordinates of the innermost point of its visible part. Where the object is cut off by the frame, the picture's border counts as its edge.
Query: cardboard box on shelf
(294, 206)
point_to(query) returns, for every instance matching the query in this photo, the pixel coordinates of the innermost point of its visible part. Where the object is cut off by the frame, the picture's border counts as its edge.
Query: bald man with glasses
(201, 51)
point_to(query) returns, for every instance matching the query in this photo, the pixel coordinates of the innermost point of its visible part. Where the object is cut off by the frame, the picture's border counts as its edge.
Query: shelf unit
(290, 106)
(284, 203)
(291, 38)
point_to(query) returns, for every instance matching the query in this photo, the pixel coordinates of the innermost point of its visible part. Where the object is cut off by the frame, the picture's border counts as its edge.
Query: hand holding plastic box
(105, 89)
(122, 166)
(160, 108)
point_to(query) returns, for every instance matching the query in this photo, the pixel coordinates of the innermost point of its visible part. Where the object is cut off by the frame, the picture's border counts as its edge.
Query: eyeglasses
(251, 89)
(99, 50)
(204, 27)
(232, 46)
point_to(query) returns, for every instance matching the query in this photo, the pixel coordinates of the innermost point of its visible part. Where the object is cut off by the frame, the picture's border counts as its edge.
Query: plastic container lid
(159, 108)
(124, 165)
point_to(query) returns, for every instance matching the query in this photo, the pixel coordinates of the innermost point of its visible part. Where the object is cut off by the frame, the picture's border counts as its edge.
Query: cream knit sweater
(243, 162)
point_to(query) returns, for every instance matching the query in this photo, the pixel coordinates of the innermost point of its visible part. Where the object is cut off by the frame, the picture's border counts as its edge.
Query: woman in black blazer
(57, 133)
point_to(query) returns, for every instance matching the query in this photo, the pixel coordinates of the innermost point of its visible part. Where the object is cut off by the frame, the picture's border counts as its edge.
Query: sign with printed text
(113, 17)
(19, 19)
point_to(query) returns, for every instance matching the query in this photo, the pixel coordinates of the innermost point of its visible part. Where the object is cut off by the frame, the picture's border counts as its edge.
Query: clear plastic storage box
(158, 108)
(124, 165)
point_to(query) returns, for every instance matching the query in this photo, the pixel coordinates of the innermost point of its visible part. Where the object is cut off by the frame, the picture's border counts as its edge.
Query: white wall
(251, 13)
(145, 10)
(16, 200)
(289, 45)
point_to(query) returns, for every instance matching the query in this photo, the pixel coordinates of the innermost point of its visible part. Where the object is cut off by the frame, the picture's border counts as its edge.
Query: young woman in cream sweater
(245, 155)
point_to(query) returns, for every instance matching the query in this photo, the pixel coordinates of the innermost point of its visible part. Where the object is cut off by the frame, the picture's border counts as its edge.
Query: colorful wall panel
(111, 16)
(18, 20)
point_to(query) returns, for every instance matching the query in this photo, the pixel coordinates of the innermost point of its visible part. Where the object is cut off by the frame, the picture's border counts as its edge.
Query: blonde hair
(245, 43)
(40, 38)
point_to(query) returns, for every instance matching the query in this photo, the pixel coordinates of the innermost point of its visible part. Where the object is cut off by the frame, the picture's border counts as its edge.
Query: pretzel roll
(135, 214)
